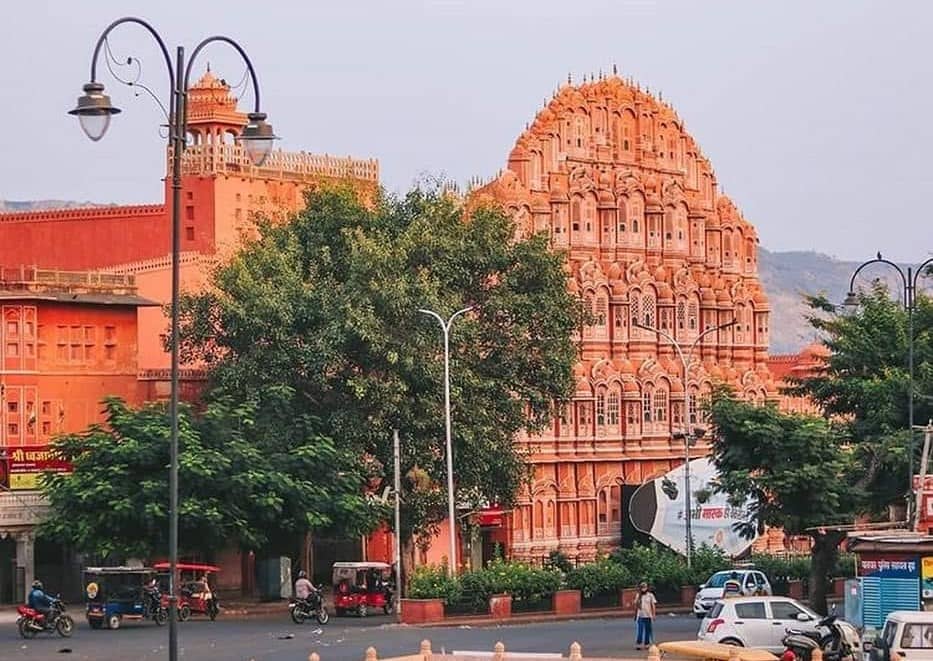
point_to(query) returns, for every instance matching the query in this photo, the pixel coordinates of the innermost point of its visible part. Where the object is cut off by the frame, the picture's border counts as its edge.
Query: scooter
(839, 641)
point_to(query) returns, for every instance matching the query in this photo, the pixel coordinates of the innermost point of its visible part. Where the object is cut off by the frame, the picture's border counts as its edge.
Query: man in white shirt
(303, 587)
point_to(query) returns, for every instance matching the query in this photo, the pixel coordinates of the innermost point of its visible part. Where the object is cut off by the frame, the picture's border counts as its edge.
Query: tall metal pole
(397, 460)
(451, 507)
(685, 361)
(178, 144)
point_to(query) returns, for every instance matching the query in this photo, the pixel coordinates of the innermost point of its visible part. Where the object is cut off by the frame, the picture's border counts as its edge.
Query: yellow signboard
(926, 577)
(24, 480)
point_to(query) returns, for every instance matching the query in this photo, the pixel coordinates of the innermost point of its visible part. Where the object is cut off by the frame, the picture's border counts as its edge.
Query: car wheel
(184, 613)
(113, 622)
(363, 611)
(731, 641)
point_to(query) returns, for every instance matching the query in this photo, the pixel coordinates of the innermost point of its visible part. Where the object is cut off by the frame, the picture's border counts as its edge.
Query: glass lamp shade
(851, 300)
(94, 111)
(257, 138)
(94, 126)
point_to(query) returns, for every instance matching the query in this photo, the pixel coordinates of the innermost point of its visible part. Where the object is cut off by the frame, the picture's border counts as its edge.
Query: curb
(532, 618)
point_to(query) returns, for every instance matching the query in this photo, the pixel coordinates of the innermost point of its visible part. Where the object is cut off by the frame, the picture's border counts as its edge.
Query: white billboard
(657, 508)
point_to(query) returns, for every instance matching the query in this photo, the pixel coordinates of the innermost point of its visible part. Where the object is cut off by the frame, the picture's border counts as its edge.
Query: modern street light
(910, 280)
(688, 434)
(94, 112)
(451, 513)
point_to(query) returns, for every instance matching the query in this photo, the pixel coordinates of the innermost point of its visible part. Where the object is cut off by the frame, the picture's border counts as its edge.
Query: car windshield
(719, 579)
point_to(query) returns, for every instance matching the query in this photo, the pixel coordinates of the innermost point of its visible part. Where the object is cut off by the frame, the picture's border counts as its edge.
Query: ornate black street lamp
(94, 111)
(910, 280)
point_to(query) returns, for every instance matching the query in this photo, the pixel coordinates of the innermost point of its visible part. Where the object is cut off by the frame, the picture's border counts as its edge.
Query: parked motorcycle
(838, 640)
(32, 622)
(313, 606)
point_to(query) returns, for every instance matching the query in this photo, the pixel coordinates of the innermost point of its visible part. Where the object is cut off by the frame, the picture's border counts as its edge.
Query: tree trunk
(823, 556)
(408, 562)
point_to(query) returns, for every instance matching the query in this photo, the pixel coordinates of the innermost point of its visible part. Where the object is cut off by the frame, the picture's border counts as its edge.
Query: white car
(753, 582)
(760, 622)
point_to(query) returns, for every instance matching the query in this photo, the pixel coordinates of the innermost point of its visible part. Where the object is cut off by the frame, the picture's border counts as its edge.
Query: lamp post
(94, 111)
(688, 427)
(910, 280)
(451, 513)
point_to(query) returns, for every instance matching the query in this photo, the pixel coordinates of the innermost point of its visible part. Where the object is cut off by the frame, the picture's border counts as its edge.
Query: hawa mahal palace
(605, 169)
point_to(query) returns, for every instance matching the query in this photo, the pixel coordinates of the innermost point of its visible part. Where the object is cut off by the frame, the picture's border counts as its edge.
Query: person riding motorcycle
(303, 587)
(152, 595)
(39, 600)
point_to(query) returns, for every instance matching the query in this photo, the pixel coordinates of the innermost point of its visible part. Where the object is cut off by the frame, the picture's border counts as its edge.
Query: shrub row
(663, 569)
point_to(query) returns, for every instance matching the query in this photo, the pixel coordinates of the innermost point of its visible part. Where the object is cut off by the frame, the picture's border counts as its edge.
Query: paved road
(343, 639)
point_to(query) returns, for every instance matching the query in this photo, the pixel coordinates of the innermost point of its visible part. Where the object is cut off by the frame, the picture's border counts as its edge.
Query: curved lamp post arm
(878, 260)
(239, 49)
(457, 314)
(920, 269)
(151, 30)
(440, 320)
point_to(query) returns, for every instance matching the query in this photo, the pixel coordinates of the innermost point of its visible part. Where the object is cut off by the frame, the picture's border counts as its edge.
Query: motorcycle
(153, 608)
(838, 640)
(313, 606)
(32, 622)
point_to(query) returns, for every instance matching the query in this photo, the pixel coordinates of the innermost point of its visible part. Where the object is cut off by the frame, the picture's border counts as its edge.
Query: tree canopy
(115, 503)
(326, 306)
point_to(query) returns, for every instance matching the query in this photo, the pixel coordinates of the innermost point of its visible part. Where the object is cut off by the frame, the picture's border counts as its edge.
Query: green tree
(115, 503)
(799, 472)
(863, 383)
(327, 305)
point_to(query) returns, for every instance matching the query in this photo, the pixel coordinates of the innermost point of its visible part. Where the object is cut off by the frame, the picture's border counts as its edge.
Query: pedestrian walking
(645, 612)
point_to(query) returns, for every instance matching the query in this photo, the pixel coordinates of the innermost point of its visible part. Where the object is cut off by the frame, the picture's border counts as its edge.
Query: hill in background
(14, 206)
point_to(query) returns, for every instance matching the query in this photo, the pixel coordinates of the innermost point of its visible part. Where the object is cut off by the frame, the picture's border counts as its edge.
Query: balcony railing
(28, 277)
(232, 159)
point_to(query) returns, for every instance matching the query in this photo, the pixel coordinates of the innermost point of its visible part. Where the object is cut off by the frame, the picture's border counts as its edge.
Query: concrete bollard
(498, 652)
(370, 654)
(654, 654)
(314, 657)
(734, 654)
(426, 649)
(576, 652)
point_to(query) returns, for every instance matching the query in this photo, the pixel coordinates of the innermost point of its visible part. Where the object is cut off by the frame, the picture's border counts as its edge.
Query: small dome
(707, 295)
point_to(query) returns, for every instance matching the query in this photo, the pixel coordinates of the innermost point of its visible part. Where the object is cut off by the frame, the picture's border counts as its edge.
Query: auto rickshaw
(361, 587)
(191, 599)
(115, 594)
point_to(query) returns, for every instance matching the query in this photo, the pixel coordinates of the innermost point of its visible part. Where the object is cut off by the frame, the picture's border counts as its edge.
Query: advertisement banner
(26, 464)
(889, 565)
(657, 508)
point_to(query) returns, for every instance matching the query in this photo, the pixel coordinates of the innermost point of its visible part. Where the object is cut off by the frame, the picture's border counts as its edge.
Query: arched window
(681, 316)
(628, 132)
(740, 322)
(635, 213)
(668, 226)
(660, 405)
(648, 309)
(603, 507)
(623, 215)
(601, 311)
(601, 408)
(647, 405)
(694, 404)
(693, 314)
(560, 224)
(612, 409)
(589, 214)
(727, 252)
(579, 130)
(576, 213)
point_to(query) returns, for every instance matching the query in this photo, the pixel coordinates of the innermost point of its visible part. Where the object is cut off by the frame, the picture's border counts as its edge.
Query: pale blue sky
(816, 115)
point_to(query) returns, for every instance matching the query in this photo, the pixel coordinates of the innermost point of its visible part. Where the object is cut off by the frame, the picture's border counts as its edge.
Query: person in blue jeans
(645, 611)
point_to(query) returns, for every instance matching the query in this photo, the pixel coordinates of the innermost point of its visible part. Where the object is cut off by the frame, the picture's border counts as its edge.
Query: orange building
(222, 192)
(608, 172)
(67, 341)
(71, 353)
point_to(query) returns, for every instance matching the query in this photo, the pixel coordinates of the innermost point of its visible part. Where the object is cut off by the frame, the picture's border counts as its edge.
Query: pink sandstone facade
(612, 177)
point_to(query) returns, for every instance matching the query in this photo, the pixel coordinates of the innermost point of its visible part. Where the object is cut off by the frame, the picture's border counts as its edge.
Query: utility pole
(924, 461)
(396, 453)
